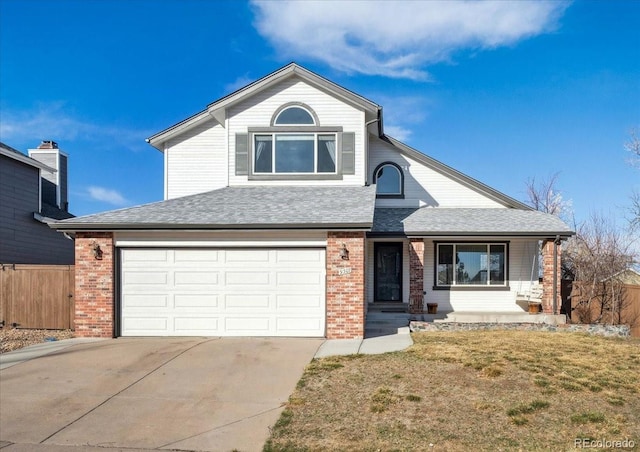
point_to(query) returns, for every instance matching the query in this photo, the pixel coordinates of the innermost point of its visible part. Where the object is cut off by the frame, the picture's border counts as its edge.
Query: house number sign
(344, 271)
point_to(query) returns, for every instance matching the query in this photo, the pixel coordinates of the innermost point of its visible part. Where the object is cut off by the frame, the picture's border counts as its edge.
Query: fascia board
(159, 138)
(338, 90)
(75, 227)
(217, 109)
(42, 218)
(26, 160)
(275, 77)
(456, 175)
(535, 234)
(471, 235)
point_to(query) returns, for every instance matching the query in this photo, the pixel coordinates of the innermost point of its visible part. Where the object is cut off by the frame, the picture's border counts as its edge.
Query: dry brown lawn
(493, 390)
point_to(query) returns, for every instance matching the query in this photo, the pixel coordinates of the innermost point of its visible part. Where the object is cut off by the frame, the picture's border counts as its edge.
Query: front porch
(384, 319)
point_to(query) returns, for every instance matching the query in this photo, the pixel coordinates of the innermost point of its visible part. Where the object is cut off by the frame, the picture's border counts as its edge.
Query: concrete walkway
(36, 351)
(368, 346)
(330, 347)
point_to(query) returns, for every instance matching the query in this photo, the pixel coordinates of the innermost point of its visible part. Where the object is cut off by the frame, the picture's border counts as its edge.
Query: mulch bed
(14, 338)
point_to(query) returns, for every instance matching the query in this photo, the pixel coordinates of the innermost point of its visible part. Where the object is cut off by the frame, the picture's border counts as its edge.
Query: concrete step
(387, 331)
(403, 317)
(501, 317)
(386, 323)
(388, 316)
(388, 307)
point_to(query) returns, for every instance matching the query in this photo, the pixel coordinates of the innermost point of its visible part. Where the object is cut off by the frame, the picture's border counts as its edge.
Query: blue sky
(502, 91)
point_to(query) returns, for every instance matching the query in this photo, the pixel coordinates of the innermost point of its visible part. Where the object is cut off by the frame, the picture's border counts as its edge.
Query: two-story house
(289, 212)
(33, 192)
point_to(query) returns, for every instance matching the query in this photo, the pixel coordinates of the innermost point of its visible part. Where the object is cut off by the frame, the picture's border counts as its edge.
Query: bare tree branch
(634, 212)
(545, 197)
(633, 147)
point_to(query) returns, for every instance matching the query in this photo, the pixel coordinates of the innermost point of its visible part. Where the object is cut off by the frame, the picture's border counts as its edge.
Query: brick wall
(547, 278)
(94, 285)
(95, 289)
(416, 276)
(345, 286)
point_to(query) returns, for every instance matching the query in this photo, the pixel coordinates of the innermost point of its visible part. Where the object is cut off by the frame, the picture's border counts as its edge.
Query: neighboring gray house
(33, 191)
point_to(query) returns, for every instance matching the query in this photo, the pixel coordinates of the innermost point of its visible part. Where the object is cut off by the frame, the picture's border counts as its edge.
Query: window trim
(389, 195)
(471, 287)
(316, 130)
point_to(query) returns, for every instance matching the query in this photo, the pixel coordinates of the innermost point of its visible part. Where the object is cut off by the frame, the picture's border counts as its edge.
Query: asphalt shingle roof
(270, 207)
(244, 207)
(467, 221)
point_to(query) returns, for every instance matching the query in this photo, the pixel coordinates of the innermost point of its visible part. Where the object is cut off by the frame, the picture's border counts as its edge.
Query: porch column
(416, 276)
(94, 284)
(548, 273)
(345, 285)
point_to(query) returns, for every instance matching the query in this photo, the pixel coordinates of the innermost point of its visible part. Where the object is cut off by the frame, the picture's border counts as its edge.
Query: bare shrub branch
(594, 259)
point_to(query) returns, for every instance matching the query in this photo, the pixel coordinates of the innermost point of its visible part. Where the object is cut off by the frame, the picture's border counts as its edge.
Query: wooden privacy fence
(630, 313)
(37, 296)
(633, 310)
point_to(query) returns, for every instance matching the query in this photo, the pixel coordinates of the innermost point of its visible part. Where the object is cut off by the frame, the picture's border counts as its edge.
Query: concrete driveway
(214, 394)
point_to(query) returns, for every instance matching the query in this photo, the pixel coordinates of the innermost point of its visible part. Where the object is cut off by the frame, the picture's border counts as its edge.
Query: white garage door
(223, 292)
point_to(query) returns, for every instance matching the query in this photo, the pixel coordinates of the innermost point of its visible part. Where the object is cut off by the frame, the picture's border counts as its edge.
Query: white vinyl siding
(522, 256)
(258, 110)
(196, 162)
(223, 292)
(423, 186)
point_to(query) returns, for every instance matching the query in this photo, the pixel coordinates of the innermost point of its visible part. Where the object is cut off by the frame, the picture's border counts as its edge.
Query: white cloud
(55, 121)
(398, 38)
(238, 83)
(403, 112)
(397, 132)
(107, 195)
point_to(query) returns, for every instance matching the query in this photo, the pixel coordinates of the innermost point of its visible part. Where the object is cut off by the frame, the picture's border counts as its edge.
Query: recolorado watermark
(589, 443)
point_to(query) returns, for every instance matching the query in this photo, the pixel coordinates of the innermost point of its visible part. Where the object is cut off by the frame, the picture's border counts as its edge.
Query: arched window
(389, 180)
(294, 115)
(295, 145)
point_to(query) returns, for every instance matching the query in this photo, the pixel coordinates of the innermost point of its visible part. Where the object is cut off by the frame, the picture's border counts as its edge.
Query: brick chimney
(54, 184)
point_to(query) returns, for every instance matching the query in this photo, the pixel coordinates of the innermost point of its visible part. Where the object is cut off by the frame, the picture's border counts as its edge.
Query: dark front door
(388, 271)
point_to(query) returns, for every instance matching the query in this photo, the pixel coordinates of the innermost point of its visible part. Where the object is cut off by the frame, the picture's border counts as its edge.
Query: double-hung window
(295, 153)
(471, 264)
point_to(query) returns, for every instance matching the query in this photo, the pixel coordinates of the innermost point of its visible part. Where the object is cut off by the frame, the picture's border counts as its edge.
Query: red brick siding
(94, 285)
(416, 276)
(547, 278)
(345, 293)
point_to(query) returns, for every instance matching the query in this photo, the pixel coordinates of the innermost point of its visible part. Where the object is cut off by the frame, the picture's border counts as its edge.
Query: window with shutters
(295, 146)
(278, 153)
